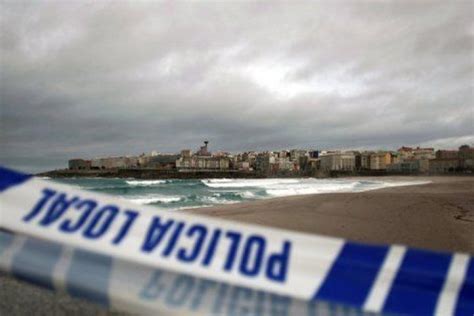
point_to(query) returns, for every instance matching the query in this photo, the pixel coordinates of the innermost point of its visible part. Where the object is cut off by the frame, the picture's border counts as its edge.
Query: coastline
(157, 174)
(149, 174)
(438, 215)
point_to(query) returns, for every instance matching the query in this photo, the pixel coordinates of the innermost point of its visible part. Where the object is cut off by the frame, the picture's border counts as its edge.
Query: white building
(338, 161)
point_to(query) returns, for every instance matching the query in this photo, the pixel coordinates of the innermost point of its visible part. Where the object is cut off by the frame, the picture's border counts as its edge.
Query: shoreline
(148, 174)
(438, 215)
(157, 174)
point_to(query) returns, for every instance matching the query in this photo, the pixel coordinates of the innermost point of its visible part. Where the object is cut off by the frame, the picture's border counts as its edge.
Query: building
(212, 163)
(79, 164)
(284, 154)
(395, 158)
(242, 166)
(314, 154)
(424, 153)
(204, 160)
(417, 153)
(162, 161)
(294, 162)
(338, 161)
(444, 165)
(186, 162)
(380, 160)
(186, 153)
(283, 164)
(314, 164)
(447, 161)
(405, 152)
(264, 162)
(466, 154)
(365, 160)
(114, 163)
(203, 163)
(446, 154)
(407, 166)
(295, 154)
(221, 154)
(203, 150)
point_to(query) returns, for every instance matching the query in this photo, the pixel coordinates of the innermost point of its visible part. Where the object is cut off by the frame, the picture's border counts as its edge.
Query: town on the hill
(295, 162)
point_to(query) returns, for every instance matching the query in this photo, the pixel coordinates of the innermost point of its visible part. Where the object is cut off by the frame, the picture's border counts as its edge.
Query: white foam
(249, 189)
(243, 183)
(335, 186)
(215, 200)
(247, 194)
(144, 183)
(155, 199)
(287, 187)
(406, 183)
(195, 206)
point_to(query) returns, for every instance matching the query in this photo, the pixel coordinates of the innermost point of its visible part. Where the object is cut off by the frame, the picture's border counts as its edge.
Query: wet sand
(437, 216)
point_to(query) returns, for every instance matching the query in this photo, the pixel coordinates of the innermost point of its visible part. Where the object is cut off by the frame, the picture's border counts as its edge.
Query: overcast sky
(84, 79)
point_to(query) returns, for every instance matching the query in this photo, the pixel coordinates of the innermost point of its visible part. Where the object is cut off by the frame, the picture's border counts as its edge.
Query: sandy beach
(438, 215)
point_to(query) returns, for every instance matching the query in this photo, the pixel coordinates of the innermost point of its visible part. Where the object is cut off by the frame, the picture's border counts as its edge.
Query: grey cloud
(94, 78)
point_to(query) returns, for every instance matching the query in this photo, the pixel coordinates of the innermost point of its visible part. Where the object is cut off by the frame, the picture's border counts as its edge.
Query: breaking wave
(288, 187)
(242, 183)
(182, 193)
(156, 200)
(144, 183)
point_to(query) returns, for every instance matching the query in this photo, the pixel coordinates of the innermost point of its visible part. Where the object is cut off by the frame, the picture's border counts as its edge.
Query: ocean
(176, 194)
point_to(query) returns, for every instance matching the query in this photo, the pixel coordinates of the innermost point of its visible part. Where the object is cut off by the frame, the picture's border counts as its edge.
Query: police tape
(392, 279)
(129, 287)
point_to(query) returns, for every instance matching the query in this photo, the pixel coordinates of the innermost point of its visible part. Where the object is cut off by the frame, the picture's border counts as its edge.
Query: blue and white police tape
(131, 287)
(391, 279)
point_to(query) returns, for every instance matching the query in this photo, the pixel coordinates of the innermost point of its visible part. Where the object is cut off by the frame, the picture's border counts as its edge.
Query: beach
(438, 215)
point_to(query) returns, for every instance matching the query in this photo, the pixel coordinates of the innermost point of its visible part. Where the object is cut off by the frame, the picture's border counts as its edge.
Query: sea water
(181, 194)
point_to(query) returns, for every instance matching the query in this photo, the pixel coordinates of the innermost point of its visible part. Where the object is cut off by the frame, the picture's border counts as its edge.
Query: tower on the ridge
(203, 151)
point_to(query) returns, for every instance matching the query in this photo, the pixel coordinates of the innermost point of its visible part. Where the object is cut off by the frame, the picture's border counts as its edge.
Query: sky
(88, 79)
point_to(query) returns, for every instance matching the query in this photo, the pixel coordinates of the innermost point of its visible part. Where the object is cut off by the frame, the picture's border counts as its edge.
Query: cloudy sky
(85, 79)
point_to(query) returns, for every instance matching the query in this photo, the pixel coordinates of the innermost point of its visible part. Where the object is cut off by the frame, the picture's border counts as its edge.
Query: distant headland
(285, 163)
